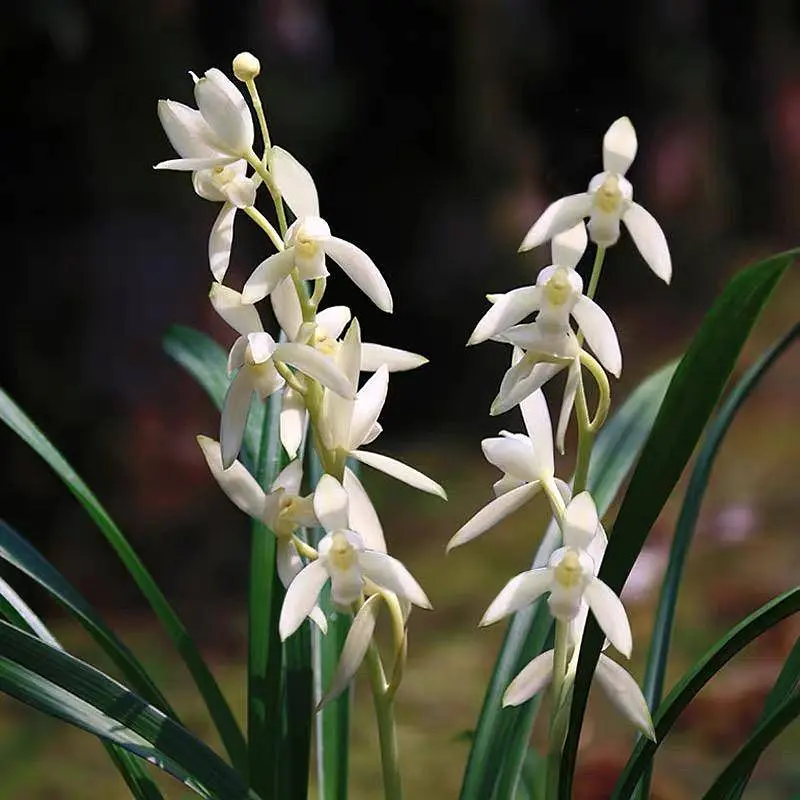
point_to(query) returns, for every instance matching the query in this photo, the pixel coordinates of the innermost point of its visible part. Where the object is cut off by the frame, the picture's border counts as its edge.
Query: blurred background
(437, 132)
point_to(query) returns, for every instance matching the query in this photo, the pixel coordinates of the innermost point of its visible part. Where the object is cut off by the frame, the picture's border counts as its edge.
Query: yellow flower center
(326, 345)
(558, 289)
(305, 245)
(342, 555)
(608, 196)
(569, 571)
(287, 512)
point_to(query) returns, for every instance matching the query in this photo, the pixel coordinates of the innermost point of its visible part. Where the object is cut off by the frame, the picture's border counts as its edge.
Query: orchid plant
(296, 429)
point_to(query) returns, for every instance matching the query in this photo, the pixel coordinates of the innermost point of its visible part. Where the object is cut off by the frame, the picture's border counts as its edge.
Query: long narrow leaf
(218, 708)
(694, 391)
(502, 734)
(20, 614)
(687, 520)
(133, 772)
(712, 662)
(59, 684)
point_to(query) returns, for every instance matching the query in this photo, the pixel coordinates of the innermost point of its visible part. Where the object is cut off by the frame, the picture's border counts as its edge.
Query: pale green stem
(560, 652)
(265, 226)
(290, 378)
(265, 175)
(262, 120)
(597, 268)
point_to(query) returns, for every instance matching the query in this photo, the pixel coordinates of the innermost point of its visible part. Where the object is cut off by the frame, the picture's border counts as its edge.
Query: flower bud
(246, 67)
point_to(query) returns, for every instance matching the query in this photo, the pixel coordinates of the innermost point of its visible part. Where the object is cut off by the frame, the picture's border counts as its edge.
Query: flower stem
(265, 225)
(597, 268)
(387, 735)
(560, 652)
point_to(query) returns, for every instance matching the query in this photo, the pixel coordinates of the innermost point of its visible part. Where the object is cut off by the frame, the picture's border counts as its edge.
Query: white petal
(513, 389)
(240, 486)
(619, 146)
(241, 191)
(301, 597)
(368, 406)
(338, 411)
(237, 354)
(186, 130)
(261, 345)
(361, 269)
(568, 247)
(224, 109)
(295, 183)
(567, 402)
(288, 563)
(649, 239)
(610, 614)
(315, 365)
(267, 275)
(220, 241)
(580, 521)
(333, 320)
(513, 455)
(492, 513)
(374, 432)
(289, 478)
(532, 678)
(540, 429)
(508, 309)
(519, 593)
(600, 334)
(196, 164)
(401, 471)
(391, 574)
(374, 356)
(286, 307)
(235, 410)
(363, 517)
(293, 421)
(355, 648)
(241, 316)
(558, 217)
(331, 504)
(317, 616)
(506, 484)
(625, 694)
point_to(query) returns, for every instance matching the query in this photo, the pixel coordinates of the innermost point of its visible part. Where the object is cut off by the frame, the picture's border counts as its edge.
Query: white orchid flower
(347, 423)
(253, 356)
(570, 578)
(608, 201)
(528, 468)
(308, 240)
(345, 562)
(211, 144)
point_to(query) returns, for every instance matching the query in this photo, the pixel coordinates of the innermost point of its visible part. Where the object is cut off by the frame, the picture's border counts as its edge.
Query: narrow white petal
(293, 421)
(568, 247)
(506, 484)
(261, 346)
(368, 406)
(286, 307)
(267, 275)
(333, 320)
(397, 469)
(289, 478)
(374, 432)
(349, 356)
(580, 521)
(295, 183)
(288, 563)
(317, 616)
(331, 504)
(558, 217)
(532, 678)
(610, 614)
(391, 574)
(301, 597)
(195, 164)
(186, 130)
(649, 240)
(241, 316)
(373, 356)
(568, 402)
(224, 109)
(240, 486)
(237, 354)
(220, 241)
(513, 455)
(316, 365)
(508, 309)
(600, 335)
(361, 269)
(514, 389)
(625, 694)
(364, 519)
(492, 513)
(619, 146)
(338, 411)
(518, 593)
(540, 429)
(235, 410)
(355, 648)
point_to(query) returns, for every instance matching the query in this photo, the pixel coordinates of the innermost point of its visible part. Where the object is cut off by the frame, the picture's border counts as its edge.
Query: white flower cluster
(315, 363)
(542, 348)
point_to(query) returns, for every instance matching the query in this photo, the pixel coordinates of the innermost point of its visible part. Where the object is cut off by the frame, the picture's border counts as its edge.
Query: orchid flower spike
(528, 468)
(308, 240)
(345, 562)
(253, 357)
(608, 200)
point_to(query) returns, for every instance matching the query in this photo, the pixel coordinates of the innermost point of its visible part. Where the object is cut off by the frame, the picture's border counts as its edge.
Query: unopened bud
(246, 67)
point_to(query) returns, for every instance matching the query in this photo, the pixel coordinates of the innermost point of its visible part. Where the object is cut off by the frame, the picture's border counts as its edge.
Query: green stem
(265, 225)
(262, 120)
(560, 652)
(265, 175)
(597, 268)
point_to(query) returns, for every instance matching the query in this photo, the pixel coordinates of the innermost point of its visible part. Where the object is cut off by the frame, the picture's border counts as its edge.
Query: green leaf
(17, 551)
(65, 687)
(133, 772)
(207, 363)
(684, 530)
(19, 613)
(333, 721)
(692, 395)
(770, 614)
(502, 734)
(218, 708)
